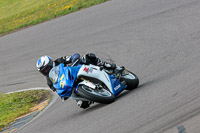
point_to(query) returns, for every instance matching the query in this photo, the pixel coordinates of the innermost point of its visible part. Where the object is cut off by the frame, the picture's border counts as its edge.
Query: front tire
(97, 95)
(132, 81)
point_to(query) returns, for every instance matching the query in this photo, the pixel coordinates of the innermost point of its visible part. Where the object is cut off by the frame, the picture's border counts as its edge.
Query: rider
(45, 64)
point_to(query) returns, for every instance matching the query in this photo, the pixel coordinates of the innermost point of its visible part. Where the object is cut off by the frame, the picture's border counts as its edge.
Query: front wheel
(131, 80)
(97, 95)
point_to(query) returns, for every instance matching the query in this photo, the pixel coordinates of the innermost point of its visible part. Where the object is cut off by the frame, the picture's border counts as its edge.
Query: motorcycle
(92, 83)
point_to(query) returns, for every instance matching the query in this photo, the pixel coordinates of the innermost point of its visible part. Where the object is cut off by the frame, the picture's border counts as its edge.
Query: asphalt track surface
(159, 40)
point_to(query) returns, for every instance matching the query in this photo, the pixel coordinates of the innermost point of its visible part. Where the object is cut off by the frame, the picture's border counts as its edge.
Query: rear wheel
(97, 95)
(131, 80)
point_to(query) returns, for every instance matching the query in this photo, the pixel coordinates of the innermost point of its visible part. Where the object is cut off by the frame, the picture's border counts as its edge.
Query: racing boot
(83, 104)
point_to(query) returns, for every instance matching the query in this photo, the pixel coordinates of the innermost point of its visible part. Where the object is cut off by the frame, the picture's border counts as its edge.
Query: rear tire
(132, 81)
(97, 95)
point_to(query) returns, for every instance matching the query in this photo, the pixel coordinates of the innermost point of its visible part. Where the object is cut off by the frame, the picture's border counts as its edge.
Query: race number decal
(62, 83)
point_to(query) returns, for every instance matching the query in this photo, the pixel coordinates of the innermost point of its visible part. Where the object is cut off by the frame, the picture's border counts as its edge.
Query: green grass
(19, 103)
(15, 14)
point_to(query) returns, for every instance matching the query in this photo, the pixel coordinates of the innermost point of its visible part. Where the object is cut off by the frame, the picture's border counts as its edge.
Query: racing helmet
(44, 65)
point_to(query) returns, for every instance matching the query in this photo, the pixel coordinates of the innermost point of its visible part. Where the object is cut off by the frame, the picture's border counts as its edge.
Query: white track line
(53, 99)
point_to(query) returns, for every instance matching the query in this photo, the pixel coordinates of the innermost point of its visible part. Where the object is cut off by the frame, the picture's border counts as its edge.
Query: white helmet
(44, 64)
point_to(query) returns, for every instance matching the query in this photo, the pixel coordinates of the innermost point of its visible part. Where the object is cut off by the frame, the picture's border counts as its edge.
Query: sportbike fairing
(110, 81)
(63, 79)
(117, 87)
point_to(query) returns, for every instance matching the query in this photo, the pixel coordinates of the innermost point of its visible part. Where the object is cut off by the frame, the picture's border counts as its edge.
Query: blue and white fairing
(110, 81)
(63, 79)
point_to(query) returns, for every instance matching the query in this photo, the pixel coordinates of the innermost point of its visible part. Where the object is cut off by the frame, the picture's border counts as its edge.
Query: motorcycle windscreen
(53, 74)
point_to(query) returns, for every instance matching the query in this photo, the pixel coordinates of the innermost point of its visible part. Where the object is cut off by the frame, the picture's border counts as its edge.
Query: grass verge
(17, 104)
(15, 14)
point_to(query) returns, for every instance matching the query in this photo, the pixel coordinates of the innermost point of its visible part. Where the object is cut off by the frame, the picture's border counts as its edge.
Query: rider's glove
(67, 59)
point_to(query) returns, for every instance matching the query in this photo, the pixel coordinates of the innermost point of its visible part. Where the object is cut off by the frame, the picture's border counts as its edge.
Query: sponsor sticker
(87, 70)
(117, 87)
